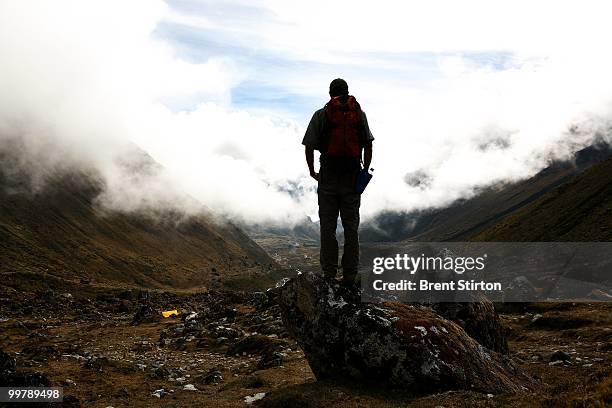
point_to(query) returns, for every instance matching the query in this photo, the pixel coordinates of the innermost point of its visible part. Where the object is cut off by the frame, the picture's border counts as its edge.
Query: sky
(459, 95)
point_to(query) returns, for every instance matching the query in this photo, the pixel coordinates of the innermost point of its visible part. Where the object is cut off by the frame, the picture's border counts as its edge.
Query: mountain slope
(467, 218)
(580, 210)
(60, 231)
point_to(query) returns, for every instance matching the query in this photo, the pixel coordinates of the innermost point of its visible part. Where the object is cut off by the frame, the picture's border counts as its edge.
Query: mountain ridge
(60, 230)
(467, 217)
(580, 210)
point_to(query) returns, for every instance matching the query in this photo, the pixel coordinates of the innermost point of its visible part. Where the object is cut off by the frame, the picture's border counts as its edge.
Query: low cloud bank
(82, 84)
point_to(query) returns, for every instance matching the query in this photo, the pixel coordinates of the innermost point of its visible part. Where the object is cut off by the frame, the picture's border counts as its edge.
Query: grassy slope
(466, 218)
(61, 232)
(580, 210)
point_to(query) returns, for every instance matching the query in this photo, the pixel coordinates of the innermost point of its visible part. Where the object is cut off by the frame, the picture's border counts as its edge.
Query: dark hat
(338, 87)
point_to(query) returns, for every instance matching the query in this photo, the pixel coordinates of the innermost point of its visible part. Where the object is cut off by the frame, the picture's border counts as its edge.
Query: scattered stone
(228, 332)
(9, 376)
(145, 314)
(75, 357)
(190, 387)
(7, 363)
(259, 299)
(270, 359)
(159, 373)
(249, 399)
(191, 316)
(560, 356)
(212, 377)
(159, 393)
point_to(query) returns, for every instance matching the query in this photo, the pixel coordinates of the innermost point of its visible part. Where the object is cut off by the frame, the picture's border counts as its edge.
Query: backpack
(344, 128)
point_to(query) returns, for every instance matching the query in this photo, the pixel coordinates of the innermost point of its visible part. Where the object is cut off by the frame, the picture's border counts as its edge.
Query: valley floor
(236, 347)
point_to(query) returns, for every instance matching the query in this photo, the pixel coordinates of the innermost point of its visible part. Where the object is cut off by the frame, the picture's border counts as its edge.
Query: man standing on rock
(340, 132)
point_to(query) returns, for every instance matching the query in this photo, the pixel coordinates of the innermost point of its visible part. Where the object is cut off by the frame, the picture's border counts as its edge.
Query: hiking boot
(329, 276)
(351, 286)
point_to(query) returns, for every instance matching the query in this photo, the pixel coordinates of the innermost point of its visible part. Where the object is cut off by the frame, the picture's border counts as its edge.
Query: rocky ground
(111, 347)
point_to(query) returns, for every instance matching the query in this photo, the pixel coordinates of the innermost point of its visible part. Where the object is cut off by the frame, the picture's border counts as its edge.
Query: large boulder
(389, 343)
(479, 320)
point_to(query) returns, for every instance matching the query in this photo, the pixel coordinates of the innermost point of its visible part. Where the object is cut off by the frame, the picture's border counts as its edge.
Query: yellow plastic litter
(169, 313)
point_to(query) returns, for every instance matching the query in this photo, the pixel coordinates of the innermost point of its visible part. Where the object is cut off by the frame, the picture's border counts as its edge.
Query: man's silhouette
(341, 134)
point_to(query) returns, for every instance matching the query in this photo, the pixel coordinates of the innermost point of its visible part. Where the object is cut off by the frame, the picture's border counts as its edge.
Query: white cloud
(80, 80)
(320, 29)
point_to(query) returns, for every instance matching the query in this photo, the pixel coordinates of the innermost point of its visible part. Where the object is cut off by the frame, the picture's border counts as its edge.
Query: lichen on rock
(389, 343)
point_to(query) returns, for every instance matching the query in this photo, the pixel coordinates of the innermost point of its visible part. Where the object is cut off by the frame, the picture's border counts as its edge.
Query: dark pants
(337, 197)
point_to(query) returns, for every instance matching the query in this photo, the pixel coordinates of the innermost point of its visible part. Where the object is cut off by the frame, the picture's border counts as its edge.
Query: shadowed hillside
(580, 210)
(466, 218)
(60, 231)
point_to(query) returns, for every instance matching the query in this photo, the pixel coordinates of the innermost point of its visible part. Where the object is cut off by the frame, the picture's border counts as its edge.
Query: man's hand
(310, 162)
